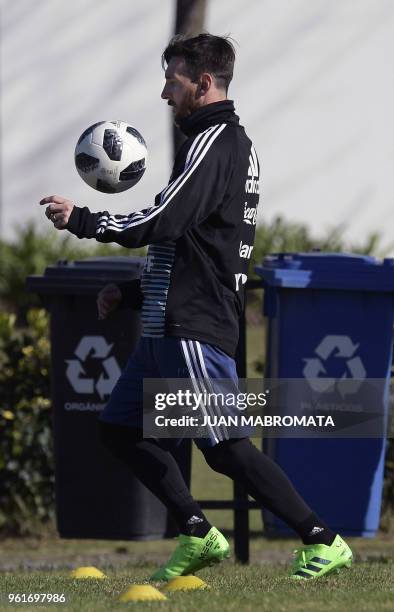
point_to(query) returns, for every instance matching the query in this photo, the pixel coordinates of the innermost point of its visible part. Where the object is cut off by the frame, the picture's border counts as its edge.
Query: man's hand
(108, 300)
(58, 211)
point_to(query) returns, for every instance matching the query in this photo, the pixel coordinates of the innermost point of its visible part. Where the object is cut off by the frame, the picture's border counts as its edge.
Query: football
(111, 156)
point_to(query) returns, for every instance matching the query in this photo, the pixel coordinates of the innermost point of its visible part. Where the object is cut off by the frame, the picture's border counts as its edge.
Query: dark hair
(203, 53)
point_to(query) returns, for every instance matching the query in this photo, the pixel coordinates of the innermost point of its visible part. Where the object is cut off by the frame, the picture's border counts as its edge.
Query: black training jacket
(200, 231)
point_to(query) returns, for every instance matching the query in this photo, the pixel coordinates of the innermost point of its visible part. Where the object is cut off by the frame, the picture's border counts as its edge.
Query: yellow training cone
(87, 572)
(141, 592)
(185, 583)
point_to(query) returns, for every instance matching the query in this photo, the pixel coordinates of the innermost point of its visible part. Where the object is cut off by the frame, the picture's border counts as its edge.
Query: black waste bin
(96, 496)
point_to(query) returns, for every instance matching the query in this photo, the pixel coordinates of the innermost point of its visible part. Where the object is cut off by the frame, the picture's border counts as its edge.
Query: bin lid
(345, 271)
(85, 276)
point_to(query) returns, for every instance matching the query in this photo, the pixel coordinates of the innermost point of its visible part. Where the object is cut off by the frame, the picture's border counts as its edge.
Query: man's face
(179, 90)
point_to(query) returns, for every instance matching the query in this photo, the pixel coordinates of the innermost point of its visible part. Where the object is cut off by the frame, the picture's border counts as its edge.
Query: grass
(367, 586)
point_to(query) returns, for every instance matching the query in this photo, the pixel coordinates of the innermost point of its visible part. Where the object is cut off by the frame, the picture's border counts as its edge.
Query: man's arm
(184, 203)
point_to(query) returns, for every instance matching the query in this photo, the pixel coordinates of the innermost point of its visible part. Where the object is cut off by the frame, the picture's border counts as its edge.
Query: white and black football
(111, 156)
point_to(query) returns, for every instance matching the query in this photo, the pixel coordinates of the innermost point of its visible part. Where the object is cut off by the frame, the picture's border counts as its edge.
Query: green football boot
(316, 560)
(192, 554)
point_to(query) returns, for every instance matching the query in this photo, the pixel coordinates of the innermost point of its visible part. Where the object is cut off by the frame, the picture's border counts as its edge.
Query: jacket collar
(211, 114)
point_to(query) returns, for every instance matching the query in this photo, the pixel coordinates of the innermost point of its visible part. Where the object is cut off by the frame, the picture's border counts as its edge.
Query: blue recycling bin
(330, 315)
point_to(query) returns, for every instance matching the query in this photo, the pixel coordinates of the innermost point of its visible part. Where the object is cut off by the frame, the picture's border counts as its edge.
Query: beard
(185, 108)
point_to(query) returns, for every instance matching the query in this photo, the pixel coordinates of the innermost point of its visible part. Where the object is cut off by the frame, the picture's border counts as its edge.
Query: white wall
(66, 65)
(313, 85)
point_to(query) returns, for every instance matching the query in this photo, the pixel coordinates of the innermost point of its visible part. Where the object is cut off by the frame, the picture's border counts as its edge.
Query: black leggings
(238, 459)
(263, 479)
(155, 467)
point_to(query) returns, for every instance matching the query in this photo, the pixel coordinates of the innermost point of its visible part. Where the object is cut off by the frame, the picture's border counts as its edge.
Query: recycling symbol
(339, 347)
(95, 347)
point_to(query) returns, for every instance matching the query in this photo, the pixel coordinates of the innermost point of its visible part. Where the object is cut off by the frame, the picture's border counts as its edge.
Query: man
(201, 238)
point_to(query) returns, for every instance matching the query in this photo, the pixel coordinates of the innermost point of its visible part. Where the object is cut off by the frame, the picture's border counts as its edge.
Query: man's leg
(239, 459)
(157, 469)
(266, 482)
(120, 429)
(264, 479)
(325, 551)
